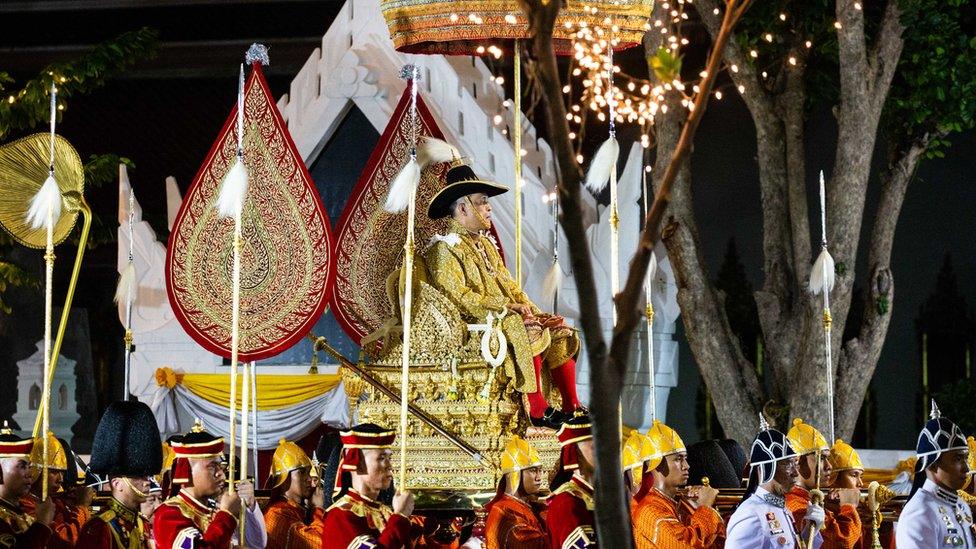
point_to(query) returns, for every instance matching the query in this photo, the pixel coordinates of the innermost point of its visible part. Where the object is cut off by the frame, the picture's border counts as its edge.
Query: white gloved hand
(815, 515)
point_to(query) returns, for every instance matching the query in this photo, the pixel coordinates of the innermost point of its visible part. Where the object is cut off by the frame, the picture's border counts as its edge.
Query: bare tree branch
(885, 54)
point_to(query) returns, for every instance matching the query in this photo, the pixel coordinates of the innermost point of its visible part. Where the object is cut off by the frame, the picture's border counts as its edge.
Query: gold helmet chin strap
(138, 492)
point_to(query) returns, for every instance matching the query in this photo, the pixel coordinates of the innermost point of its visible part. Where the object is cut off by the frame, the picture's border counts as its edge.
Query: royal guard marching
(935, 516)
(841, 530)
(186, 519)
(357, 520)
(570, 518)
(762, 521)
(295, 490)
(465, 265)
(661, 521)
(515, 515)
(17, 528)
(71, 503)
(126, 450)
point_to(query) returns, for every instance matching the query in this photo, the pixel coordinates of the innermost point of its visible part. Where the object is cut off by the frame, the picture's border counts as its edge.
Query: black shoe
(551, 419)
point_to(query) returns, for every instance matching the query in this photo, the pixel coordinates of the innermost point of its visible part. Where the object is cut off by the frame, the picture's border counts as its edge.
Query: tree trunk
(790, 318)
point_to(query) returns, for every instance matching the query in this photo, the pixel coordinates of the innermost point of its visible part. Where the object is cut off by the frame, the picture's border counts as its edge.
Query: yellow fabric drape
(274, 391)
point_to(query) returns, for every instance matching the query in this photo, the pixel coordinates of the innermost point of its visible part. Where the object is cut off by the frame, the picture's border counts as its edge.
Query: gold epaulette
(573, 489)
(376, 516)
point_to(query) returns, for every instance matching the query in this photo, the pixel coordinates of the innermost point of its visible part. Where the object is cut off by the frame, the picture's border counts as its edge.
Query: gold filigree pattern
(286, 243)
(460, 28)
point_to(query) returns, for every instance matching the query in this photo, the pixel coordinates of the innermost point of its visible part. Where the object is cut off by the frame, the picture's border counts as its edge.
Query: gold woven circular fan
(23, 169)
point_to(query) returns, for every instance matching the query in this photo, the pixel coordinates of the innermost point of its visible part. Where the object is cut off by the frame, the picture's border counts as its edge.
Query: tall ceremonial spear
(403, 196)
(603, 168)
(230, 204)
(45, 210)
(649, 312)
(124, 291)
(822, 282)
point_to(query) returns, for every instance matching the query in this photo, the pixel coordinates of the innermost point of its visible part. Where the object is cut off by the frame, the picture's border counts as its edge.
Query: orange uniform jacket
(18, 529)
(67, 523)
(357, 522)
(115, 527)
(842, 530)
(514, 524)
(570, 517)
(285, 520)
(662, 523)
(182, 521)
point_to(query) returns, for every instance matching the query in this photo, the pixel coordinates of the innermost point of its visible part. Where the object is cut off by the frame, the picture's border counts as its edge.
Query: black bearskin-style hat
(769, 447)
(706, 459)
(461, 182)
(127, 442)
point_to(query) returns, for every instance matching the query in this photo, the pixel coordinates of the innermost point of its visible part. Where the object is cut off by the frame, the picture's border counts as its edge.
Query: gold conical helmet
(843, 457)
(56, 458)
(805, 438)
(666, 442)
(637, 449)
(288, 456)
(518, 456)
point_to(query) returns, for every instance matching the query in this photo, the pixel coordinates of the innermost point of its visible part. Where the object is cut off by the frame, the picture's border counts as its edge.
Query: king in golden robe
(466, 266)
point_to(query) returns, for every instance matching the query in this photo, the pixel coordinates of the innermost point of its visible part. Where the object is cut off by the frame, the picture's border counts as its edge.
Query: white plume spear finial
(404, 184)
(822, 274)
(605, 159)
(45, 206)
(233, 189)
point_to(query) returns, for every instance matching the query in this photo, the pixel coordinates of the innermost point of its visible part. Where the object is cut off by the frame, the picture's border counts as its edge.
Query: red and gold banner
(286, 254)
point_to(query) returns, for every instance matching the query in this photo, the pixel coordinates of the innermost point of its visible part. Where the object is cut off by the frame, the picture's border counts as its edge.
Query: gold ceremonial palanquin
(449, 379)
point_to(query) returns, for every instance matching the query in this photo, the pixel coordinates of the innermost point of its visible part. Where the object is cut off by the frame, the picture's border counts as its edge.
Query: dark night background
(165, 113)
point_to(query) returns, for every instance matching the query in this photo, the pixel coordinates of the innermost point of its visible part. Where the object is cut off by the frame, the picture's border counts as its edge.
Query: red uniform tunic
(357, 522)
(570, 517)
(117, 527)
(515, 524)
(67, 522)
(287, 529)
(18, 529)
(182, 522)
(662, 523)
(842, 530)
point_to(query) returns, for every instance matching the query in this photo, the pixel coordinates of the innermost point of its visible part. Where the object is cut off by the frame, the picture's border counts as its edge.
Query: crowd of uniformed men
(776, 511)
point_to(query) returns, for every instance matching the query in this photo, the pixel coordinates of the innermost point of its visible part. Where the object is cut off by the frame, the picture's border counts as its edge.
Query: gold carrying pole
(816, 498)
(77, 202)
(517, 143)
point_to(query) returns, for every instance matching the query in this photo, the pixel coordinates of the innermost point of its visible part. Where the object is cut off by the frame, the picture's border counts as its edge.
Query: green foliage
(104, 168)
(934, 90)
(12, 275)
(29, 106)
(956, 403)
(666, 65)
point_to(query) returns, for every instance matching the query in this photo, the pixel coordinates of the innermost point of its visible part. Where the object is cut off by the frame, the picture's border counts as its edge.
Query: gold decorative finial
(197, 426)
(6, 429)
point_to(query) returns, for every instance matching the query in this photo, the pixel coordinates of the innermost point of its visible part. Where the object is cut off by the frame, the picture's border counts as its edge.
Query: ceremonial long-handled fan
(25, 167)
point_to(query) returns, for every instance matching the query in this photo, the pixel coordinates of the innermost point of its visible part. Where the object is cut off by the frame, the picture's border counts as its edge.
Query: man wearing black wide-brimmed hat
(126, 449)
(465, 265)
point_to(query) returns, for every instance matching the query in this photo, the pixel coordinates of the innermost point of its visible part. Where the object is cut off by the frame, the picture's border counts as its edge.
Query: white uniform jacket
(934, 518)
(762, 522)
